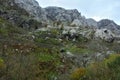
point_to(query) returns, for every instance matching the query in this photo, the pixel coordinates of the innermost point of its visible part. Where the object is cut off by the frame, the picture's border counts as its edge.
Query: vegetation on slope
(41, 55)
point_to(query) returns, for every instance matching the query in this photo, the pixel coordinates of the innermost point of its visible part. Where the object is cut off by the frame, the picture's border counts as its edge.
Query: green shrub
(2, 68)
(78, 74)
(106, 70)
(113, 62)
(79, 50)
(2, 64)
(3, 31)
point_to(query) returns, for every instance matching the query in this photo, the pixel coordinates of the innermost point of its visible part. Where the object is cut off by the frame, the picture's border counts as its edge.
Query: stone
(104, 34)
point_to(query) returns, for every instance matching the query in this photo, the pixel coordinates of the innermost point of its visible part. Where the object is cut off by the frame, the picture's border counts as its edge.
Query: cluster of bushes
(107, 70)
(41, 64)
(78, 74)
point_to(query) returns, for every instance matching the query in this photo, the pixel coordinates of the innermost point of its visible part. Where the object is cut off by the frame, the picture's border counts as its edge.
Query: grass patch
(79, 50)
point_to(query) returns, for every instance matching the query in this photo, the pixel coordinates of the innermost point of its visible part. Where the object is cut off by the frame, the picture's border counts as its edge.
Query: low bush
(78, 74)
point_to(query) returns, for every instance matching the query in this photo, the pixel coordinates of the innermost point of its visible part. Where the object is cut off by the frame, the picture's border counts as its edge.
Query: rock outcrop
(91, 23)
(58, 14)
(104, 34)
(25, 13)
(109, 24)
(33, 8)
(78, 22)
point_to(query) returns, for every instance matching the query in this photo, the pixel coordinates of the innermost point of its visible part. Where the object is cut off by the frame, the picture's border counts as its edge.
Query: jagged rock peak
(64, 15)
(62, 9)
(106, 22)
(61, 14)
(70, 16)
(109, 24)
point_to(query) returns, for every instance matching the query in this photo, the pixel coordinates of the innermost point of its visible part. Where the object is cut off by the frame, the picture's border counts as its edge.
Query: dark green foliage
(106, 70)
(114, 64)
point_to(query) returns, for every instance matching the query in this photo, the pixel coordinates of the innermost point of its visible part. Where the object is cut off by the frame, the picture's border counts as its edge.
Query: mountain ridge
(60, 14)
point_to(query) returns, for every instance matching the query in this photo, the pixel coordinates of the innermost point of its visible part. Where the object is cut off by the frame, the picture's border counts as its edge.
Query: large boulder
(70, 33)
(104, 34)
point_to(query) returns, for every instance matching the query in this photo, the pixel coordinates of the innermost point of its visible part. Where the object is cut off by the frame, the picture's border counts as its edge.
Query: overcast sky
(96, 9)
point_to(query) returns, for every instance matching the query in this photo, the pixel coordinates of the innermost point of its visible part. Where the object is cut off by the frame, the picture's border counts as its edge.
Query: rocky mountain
(29, 15)
(72, 17)
(109, 24)
(54, 43)
(54, 13)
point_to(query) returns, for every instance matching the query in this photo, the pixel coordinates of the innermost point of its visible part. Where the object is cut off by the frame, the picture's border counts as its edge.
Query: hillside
(55, 44)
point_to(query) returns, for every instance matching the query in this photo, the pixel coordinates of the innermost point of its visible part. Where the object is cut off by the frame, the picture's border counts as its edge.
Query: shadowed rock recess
(54, 43)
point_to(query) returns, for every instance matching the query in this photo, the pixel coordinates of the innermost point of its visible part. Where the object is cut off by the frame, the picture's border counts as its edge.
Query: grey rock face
(60, 14)
(104, 34)
(79, 22)
(109, 24)
(72, 17)
(91, 23)
(33, 8)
